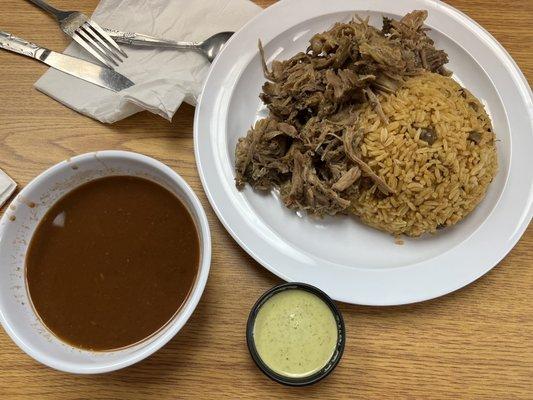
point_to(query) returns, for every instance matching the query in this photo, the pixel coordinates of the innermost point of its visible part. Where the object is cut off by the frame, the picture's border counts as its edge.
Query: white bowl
(17, 226)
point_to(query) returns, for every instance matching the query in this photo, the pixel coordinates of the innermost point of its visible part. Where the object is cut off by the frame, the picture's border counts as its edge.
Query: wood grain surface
(476, 343)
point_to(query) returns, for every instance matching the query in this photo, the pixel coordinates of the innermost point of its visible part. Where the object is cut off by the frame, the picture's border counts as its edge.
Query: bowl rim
(163, 336)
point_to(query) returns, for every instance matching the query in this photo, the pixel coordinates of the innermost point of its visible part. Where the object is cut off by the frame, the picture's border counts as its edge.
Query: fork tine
(102, 45)
(96, 46)
(93, 52)
(105, 36)
(89, 36)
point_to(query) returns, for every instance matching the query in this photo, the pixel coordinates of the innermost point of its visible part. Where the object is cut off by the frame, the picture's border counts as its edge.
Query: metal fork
(87, 34)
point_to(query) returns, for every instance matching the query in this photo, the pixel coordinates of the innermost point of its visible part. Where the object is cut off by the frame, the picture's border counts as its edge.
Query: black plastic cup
(330, 365)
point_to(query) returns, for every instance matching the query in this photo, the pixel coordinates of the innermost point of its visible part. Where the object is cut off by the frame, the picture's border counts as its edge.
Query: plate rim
(526, 97)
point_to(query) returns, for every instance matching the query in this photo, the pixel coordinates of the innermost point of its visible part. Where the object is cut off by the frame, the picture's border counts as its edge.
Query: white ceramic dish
(349, 261)
(17, 226)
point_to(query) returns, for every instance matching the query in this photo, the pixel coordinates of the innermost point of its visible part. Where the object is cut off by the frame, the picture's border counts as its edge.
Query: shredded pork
(308, 146)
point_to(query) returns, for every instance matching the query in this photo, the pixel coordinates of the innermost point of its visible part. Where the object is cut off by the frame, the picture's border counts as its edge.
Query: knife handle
(21, 46)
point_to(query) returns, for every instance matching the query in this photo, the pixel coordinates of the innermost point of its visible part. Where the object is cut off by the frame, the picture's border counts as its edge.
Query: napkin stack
(7, 187)
(163, 78)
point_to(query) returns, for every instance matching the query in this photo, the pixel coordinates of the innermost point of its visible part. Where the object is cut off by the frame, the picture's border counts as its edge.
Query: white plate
(349, 261)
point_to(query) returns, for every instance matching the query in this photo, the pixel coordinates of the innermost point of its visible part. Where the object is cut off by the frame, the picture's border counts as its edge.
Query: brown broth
(112, 262)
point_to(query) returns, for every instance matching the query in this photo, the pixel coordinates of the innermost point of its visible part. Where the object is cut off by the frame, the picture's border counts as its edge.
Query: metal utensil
(87, 34)
(209, 47)
(101, 76)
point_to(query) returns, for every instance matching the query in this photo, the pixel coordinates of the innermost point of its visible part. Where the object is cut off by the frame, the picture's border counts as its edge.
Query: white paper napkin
(7, 187)
(163, 78)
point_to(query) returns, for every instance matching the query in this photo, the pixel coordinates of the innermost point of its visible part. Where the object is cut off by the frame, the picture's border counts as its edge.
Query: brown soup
(112, 262)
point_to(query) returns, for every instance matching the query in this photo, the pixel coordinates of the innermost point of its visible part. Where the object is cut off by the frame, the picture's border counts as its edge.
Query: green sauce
(295, 333)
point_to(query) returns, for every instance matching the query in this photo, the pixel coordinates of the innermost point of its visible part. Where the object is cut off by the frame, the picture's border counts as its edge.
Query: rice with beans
(437, 152)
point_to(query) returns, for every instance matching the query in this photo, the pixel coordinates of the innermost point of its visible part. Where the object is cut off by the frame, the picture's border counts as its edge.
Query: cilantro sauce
(295, 333)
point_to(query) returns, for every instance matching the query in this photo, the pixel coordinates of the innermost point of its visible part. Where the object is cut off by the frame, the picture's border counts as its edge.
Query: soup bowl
(20, 221)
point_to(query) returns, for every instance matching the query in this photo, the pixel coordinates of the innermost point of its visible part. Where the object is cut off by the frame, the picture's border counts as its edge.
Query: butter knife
(95, 74)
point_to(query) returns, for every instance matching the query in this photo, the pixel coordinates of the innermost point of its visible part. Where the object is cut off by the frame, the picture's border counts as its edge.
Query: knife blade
(95, 74)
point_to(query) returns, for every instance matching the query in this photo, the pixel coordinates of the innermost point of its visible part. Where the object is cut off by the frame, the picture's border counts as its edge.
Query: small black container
(335, 358)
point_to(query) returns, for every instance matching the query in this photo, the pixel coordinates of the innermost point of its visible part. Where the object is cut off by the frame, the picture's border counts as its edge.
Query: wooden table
(474, 343)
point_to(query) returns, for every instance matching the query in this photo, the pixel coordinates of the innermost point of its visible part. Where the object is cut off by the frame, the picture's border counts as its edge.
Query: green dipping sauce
(295, 333)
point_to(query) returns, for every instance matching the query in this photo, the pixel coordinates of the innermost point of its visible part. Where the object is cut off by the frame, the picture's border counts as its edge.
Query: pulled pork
(308, 147)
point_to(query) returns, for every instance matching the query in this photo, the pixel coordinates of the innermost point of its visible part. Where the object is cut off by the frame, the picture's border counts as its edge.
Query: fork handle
(58, 14)
(21, 46)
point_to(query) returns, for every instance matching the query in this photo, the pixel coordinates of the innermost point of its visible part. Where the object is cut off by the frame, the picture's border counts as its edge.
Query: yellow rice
(435, 185)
